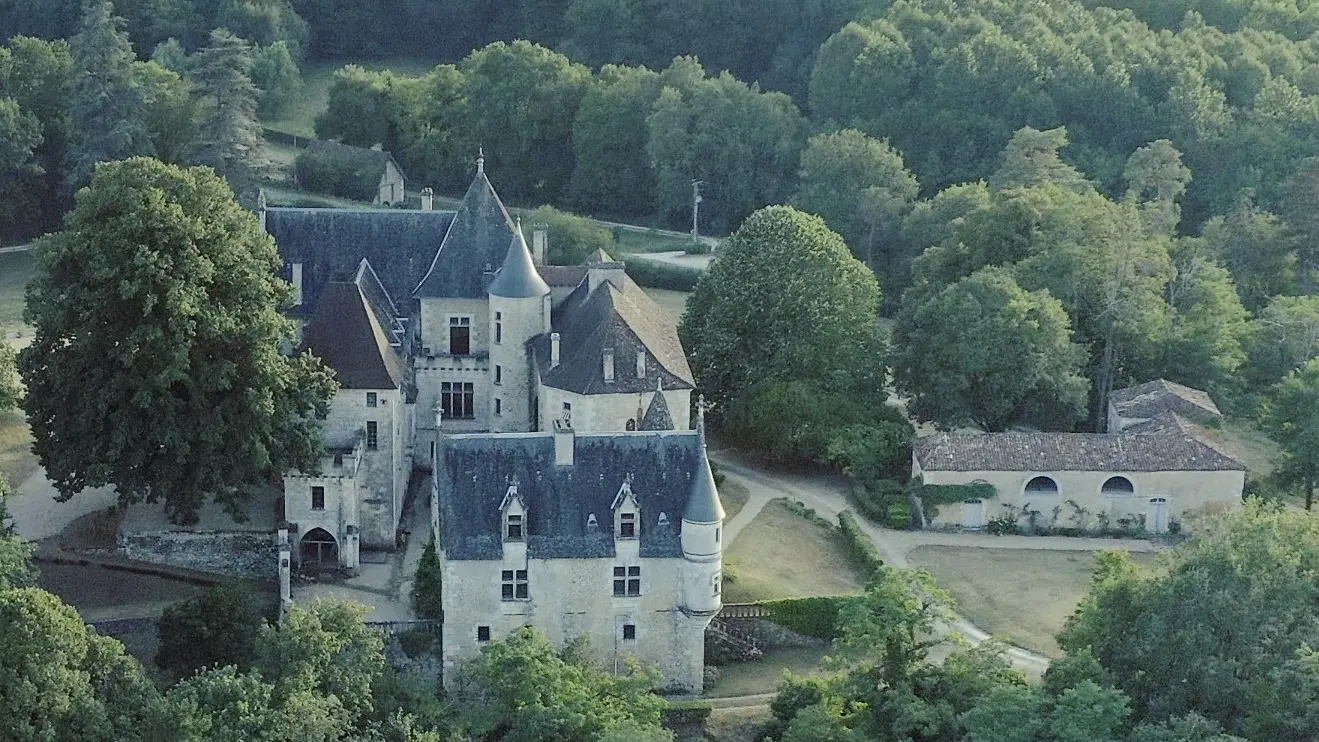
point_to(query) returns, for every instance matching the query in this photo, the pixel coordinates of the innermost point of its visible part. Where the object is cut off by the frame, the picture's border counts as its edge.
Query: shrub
(427, 585)
(340, 176)
(875, 500)
(816, 616)
(218, 627)
(933, 495)
(656, 275)
(898, 516)
(684, 713)
(416, 642)
(858, 543)
(873, 451)
(571, 238)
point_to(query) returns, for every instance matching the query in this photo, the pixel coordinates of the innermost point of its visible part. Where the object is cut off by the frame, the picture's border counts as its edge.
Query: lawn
(1023, 596)
(763, 675)
(631, 241)
(734, 497)
(674, 303)
(1244, 441)
(16, 269)
(782, 555)
(299, 117)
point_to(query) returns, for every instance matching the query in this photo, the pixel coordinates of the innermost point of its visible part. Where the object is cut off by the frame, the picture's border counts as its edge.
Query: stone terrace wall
(240, 554)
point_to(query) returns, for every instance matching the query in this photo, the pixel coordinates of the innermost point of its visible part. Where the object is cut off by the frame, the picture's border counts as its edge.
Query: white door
(973, 514)
(1156, 521)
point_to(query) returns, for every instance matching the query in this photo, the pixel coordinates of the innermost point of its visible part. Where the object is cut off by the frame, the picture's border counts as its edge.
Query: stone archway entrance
(319, 550)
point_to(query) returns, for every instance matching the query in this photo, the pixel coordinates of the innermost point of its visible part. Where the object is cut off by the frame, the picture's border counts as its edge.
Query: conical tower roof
(517, 278)
(703, 504)
(657, 415)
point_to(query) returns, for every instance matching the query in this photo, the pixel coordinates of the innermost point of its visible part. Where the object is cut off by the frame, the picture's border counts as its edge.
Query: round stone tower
(519, 311)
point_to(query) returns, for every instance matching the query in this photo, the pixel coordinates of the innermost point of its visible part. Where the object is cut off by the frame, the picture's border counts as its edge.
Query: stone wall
(238, 554)
(769, 635)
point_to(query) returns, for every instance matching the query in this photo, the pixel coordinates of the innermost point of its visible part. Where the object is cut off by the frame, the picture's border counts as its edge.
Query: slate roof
(361, 158)
(476, 242)
(346, 333)
(625, 319)
(1153, 397)
(475, 470)
(517, 277)
(331, 243)
(562, 275)
(1045, 452)
(657, 415)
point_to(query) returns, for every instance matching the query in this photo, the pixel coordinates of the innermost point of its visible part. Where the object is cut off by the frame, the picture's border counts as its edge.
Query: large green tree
(229, 133)
(861, 188)
(1222, 626)
(159, 301)
(1282, 338)
(785, 302)
(1291, 415)
(985, 351)
(107, 99)
(217, 628)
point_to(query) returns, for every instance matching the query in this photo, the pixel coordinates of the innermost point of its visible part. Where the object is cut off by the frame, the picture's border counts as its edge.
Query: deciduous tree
(1292, 417)
(159, 301)
(987, 352)
(217, 628)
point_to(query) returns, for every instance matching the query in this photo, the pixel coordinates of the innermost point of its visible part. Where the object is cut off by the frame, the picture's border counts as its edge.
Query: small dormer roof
(517, 278)
(624, 495)
(511, 496)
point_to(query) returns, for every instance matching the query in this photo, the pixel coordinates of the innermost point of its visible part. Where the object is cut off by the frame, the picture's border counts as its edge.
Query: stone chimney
(641, 364)
(427, 199)
(564, 440)
(609, 364)
(540, 243)
(554, 349)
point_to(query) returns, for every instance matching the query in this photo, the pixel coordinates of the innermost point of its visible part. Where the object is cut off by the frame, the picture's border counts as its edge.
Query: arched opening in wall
(319, 550)
(1042, 485)
(631, 425)
(1118, 486)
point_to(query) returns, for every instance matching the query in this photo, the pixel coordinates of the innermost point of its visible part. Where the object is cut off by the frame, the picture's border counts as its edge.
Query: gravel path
(827, 495)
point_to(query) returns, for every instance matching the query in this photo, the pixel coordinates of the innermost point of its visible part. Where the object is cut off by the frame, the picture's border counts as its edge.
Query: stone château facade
(547, 404)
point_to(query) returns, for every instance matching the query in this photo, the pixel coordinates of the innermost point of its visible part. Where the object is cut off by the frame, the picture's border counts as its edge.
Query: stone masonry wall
(239, 554)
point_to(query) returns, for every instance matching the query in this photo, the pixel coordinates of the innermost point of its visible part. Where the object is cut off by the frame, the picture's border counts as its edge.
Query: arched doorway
(319, 550)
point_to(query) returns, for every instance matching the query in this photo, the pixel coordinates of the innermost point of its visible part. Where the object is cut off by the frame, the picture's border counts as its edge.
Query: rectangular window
(460, 336)
(458, 399)
(627, 525)
(514, 531)
(499, 374)
(372, 435)
(514, 585)
(371, 399)
(629, 632)
(483, 633)
(499, 406)
(627, 582)
(317, 498)
(499, 328)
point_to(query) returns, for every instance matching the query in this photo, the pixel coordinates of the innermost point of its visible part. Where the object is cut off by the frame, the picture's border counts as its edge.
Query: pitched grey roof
(475, 470)
(625, 319)
(657, 415)
(363, 159)
(476, 244)
(331, 243)
(1045, 452)
(562, 275)
(346, 333)
(1153, 397)
(517, 277)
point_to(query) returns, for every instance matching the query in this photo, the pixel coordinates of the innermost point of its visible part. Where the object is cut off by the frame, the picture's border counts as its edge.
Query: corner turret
(702, 542)
(519, 311)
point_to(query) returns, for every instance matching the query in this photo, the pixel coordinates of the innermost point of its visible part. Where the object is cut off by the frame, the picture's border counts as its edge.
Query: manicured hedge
(816, 617)
(685, 712)
(858, 543)
(656, 275)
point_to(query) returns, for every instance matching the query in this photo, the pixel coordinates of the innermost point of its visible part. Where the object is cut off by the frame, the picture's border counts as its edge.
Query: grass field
(629, 241)
(16, 269)
(299, 118)
(672, 302)
(763, 675)
(734, 497)
(1023, 596)
(782, 555)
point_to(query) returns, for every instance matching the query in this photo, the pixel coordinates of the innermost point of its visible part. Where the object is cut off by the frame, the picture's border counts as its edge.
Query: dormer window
(592, 525)
(514, 512)
(627, 525)
(513, 527)
(626, 520)
(663, 519)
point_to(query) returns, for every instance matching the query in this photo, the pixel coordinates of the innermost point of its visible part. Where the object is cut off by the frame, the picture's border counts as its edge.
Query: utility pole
(696, 206)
